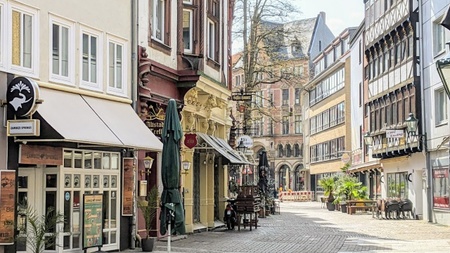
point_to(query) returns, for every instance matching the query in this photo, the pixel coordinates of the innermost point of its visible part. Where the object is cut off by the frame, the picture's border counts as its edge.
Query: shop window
(397, 185)
(441, 187)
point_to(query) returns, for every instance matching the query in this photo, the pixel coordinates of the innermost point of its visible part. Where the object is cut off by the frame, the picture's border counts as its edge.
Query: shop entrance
(37, 192)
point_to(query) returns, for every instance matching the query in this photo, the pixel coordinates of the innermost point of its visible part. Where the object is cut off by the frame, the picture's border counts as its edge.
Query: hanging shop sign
(127, 186)
(246, 140)
(22, 95)
(37, 154)
(7, 206)
(394, 133)
(190, 140)
(23, 127)
(241, 96)
(92, 220)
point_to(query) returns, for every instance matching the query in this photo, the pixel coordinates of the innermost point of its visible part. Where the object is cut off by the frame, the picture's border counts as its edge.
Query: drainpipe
(134, 104)
(424, 125)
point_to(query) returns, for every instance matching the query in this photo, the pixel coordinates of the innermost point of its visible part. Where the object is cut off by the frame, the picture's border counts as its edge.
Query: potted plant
(349, 188)
(40, 231)
(149, 206)
(329, 185)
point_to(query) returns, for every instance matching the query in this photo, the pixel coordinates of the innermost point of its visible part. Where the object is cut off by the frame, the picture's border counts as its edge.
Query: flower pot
(344, 208)
(331, 206)
(148, 244)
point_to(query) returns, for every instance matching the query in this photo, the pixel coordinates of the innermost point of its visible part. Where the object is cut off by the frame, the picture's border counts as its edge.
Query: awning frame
(222, 147)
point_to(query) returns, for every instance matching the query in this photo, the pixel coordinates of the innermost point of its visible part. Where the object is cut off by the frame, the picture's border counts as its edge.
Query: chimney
(323, 15)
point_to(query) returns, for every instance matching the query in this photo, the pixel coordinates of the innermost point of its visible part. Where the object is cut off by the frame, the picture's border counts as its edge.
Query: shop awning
(78, 118)
(365, 166)
(221, 146)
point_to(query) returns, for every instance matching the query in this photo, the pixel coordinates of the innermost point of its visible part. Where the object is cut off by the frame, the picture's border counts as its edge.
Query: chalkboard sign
(92, 220)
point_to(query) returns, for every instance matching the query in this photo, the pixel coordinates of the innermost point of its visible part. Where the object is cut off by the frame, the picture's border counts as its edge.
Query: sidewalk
(306, 227)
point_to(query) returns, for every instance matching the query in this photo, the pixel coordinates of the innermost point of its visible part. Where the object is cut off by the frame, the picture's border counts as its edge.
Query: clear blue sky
(340, 13)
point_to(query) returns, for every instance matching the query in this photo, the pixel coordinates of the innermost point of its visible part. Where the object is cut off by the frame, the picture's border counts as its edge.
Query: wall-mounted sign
(394, 133)
(246, 140)
(155, 117)
(21, 95)
(92, 220)
(190, 140)
(7, 206)
(23, 127)
(127, 186)
(37, 154)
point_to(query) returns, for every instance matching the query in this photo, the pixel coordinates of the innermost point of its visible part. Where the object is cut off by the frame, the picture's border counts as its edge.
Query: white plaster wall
(356, 79)
(111, 17)
(413, 164)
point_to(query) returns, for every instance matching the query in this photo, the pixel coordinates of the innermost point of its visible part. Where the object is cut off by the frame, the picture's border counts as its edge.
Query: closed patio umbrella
(171, 204)
(263, 166)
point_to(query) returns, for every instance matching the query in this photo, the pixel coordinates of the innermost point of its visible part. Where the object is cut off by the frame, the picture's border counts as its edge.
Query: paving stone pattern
(306, 227)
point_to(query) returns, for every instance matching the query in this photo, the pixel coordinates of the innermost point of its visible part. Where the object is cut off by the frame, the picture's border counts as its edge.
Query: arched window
(300, 177)
(280, 150)
(288, 150)
(282, 177)
(296, 150)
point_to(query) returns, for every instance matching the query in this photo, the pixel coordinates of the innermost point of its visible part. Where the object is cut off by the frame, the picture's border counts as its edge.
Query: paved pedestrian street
(306, 227)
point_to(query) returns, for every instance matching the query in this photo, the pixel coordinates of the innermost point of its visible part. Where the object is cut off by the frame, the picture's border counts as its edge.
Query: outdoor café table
(365, 204)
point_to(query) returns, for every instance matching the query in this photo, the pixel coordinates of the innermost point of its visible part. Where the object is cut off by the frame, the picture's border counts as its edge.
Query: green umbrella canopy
(170, 171)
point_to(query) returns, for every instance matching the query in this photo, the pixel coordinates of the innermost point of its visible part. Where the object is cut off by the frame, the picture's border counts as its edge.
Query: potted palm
(329, 185)
(40, 231)
(149, 206)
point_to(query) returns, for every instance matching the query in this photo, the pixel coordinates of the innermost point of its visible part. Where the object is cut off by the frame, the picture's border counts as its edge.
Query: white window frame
(20, 70)
(155, 20)
(191, 34)
(70, 25)
(211, 40)
(438, 37)
(113, 90)
(97, 86)
(441, 111)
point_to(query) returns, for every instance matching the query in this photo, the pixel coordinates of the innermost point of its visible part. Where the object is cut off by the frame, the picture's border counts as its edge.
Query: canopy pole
(168, 239)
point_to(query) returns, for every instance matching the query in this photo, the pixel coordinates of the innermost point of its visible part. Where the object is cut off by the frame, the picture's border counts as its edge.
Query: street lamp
(186, 165)
(368, 139)
(241, 147)
(411, 124)
(148, 162)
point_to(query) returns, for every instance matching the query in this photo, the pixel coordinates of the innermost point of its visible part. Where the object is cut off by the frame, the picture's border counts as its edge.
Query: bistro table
(364, 205)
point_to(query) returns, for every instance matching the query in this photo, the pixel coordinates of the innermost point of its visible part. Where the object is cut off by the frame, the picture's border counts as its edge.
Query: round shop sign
(345, 158)
(246, 140)
(21, 95)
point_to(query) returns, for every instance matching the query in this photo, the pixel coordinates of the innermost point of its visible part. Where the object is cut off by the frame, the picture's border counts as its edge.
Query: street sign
(241, 96)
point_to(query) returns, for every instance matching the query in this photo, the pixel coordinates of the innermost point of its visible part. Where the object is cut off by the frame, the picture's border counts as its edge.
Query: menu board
(93, 220)
(128, 186)
(7, 210)
(7, 204)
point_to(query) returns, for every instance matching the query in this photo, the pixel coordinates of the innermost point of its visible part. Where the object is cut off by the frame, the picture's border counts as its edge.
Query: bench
(360, 205)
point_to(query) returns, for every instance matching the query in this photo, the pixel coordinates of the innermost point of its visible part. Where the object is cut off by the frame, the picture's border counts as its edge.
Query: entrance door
(27, 196)
(37, 191)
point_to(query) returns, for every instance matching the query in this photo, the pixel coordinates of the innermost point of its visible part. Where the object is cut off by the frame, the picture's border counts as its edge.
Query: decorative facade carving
(144, 65)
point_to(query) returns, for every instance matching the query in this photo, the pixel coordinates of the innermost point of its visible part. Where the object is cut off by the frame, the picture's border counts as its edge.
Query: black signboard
(21, 95)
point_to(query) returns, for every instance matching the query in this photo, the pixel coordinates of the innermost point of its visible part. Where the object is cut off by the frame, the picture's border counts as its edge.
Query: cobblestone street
(306, 227)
